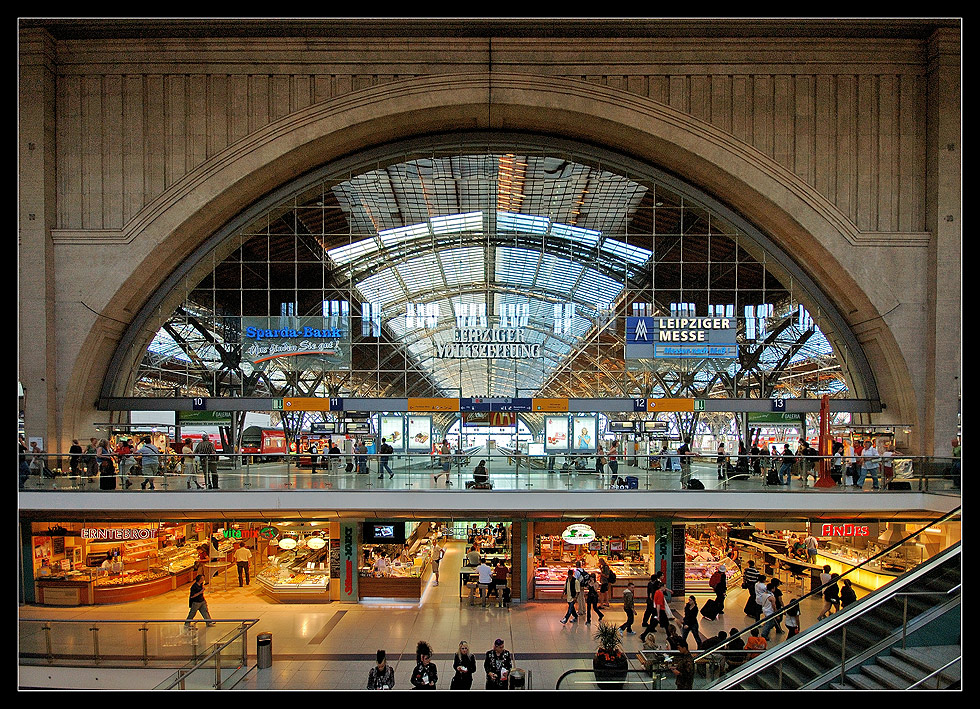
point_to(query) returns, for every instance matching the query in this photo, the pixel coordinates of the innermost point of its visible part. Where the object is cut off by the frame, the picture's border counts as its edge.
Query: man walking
(197, 602)
(570, 594)
(869, 464)
(385, 450)
(149, 456)
(627, 627)
(242, 559)
(208, 456)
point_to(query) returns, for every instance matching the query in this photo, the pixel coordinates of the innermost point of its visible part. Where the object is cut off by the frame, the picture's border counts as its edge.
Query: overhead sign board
(310, 403)
(323, 339)
(670, 405)
(431, 404)
(552, 405)
(488, 343)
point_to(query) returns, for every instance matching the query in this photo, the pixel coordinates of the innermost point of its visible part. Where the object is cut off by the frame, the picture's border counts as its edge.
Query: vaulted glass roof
(561, 249)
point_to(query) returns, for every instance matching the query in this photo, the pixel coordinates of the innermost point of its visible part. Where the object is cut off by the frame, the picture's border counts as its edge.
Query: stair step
(901, 667)
(863, 681)
(885, 677)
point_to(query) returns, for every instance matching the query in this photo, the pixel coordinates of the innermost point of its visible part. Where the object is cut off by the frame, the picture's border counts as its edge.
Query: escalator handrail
(844, 617)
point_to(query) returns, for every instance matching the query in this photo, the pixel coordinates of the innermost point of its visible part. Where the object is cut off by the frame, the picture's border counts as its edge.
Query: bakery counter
(132, 587)
(403, 582)
(68, 591)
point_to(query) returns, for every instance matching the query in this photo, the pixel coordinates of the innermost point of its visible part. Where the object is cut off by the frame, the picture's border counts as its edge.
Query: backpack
(715, 579)
(612, 576)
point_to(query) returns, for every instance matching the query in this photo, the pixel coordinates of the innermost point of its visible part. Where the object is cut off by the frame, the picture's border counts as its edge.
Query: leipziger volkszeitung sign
(488, 343)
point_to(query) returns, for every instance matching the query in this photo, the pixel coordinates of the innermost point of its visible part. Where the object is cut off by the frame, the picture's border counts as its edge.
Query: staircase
(868, 635)
(903, 668)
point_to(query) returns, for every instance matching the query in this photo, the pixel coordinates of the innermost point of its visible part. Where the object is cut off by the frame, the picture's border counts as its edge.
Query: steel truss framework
(538, 230)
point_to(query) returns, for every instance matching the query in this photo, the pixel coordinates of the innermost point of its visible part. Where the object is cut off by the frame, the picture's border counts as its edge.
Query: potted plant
(610, 662)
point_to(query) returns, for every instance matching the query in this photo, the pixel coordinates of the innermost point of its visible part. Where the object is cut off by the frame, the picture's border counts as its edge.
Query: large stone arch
(802, 222)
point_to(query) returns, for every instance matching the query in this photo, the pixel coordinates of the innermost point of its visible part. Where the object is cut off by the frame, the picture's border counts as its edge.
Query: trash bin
(263, 650)
(516, 679)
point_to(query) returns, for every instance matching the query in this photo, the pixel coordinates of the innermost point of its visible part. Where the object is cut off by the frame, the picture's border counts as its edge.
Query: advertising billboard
(393, 430)
(584, 432)
(419, 433)
(556, 433)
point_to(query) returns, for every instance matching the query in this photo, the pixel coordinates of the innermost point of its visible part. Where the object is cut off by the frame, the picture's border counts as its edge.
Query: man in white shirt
(242, 558)
(869, 464)
(150, 462)
(381, 565)
(484, 580)
(811, 548)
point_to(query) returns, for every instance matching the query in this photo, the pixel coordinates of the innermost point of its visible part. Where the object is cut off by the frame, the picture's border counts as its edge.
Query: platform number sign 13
(198, 403)
(779, 405)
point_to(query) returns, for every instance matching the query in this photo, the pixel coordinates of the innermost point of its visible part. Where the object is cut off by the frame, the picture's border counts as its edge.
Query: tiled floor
(332, 646)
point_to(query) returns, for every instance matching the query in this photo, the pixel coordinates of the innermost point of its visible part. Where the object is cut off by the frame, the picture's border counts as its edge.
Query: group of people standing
(498, 664)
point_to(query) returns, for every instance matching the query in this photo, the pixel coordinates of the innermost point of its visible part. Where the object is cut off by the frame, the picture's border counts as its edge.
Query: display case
(300, 575)
(697, 574)
(549, 579)
(404, 580)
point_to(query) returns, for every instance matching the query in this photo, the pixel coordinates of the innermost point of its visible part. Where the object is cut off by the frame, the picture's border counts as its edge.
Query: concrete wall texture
(843, 146)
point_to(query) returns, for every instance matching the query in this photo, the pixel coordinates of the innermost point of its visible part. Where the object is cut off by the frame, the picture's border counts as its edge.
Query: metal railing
(936, 673)
(507, 470)
(222, 649)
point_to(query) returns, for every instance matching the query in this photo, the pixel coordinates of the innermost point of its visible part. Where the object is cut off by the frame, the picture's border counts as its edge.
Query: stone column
(37, 214)
(943, 219)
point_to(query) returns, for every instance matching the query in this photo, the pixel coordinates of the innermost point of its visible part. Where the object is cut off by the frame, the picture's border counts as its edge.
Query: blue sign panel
(516, 404)
(473, 404)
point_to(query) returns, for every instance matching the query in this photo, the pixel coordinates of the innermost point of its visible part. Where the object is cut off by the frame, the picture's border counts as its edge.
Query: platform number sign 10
(198, 403)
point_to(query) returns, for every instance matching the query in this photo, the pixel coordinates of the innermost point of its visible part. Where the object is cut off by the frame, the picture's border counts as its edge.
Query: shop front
(632, 549)
(396, 559)
(88, 564)
(300, 559)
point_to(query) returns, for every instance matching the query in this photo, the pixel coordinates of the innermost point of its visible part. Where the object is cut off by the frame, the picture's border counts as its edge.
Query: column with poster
(556, 433)
(349, 551)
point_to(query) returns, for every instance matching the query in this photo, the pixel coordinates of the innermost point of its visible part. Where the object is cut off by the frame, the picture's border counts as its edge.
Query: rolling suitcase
(632, 482)
(772, 478)
(695, 484)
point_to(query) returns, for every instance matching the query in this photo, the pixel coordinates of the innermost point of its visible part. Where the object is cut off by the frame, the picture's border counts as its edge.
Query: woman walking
(107, 468)
(691, 621)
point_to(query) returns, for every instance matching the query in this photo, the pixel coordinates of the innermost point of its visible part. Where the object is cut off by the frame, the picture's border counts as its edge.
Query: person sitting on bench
(480, 474)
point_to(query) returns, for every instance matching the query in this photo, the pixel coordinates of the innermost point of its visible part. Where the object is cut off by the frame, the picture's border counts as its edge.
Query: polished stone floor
(332, 646)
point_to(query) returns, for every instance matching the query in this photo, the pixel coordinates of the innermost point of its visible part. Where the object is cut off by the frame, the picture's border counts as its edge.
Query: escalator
(904, 635)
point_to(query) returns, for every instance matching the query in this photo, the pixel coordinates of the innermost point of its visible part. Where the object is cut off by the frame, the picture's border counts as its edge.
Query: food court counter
(89, 588)
(404, 581)
(870, 576)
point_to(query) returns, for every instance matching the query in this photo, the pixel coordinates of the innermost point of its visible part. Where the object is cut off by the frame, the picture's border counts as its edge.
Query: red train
(264, 443)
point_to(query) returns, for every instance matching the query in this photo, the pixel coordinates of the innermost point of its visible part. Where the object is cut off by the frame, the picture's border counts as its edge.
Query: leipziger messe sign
(680, 338)
(488, 343)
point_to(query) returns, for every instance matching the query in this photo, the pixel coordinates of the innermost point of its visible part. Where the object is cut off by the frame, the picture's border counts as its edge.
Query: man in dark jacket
(385, 450)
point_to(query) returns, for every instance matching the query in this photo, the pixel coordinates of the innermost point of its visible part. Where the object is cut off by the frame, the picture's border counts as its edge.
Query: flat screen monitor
(384, 532)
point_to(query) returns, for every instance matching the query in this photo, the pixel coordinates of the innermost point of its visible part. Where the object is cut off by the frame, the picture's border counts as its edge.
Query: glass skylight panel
(382, 287)
(627, 252)
(595, 287)
(557, 275)
(421, 273)
(451, 223)
(403, 233)
(583, 236)
(345, 254)
(463, 266)
(516, 266)
(164, 344)
(526, 223)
